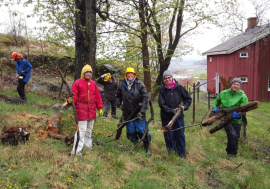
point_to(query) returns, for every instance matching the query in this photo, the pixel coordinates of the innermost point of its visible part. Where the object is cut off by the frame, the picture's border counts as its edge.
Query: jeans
(108, 104)
(233, 133)
(175, 140)
(136, 129)
(20, 89)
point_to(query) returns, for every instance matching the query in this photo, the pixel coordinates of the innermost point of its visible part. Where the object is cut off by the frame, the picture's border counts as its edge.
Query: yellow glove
(70, 99)
(100, 112)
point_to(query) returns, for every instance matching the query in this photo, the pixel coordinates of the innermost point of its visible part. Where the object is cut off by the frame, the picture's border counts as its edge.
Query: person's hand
(140, 115)
(175, 110)
(100, 112)
(182, 107)
(104, 75)
(70, 99)
(215, 110)
(17, 76)
(236, 115)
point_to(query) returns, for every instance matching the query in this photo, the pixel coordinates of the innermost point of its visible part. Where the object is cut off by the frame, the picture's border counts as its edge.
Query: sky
(208, 38)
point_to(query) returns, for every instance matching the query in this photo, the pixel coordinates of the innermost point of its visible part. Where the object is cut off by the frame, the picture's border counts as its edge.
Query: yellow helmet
(108, 76)
(130, 70)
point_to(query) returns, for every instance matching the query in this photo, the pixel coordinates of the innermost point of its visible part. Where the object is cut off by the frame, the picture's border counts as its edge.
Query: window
(244, 79)
(268, 83)
(210, 59)
(243, 55)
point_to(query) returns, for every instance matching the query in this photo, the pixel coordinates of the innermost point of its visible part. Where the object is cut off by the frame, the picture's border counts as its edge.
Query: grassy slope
(45, 163)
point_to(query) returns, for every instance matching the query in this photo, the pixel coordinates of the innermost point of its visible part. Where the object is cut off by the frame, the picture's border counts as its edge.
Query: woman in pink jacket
(87, 100)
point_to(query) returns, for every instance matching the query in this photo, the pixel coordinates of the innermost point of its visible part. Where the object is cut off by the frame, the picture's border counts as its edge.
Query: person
(23, 73)
(231, 98)
(110, 87)
(130, 93)
(171, 95)
(87, 99)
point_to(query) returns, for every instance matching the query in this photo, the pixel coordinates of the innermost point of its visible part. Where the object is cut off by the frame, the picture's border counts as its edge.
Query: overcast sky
(201, 42)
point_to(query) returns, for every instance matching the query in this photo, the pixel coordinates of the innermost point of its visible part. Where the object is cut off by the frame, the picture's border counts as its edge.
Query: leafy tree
(74, 20)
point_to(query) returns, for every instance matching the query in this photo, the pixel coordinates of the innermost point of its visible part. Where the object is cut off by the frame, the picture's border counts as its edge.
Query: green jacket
(230, 99)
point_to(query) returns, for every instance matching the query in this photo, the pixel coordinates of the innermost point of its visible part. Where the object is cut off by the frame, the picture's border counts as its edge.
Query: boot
(146, 147)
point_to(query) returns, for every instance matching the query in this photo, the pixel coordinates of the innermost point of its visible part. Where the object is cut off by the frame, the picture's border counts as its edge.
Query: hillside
(45, 162)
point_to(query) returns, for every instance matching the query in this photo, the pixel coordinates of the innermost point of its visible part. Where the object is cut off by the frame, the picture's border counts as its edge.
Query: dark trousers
(175, 140)
(233, 133)
(20, 89)
(108, 104)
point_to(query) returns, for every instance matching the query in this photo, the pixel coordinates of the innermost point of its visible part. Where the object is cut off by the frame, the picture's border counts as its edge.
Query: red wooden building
(246, 56)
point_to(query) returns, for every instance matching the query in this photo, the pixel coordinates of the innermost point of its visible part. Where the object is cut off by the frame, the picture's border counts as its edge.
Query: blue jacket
(22, 65)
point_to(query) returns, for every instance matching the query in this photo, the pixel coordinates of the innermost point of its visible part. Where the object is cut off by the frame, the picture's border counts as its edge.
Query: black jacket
(169, 99)
(132, 98)
(109, 88)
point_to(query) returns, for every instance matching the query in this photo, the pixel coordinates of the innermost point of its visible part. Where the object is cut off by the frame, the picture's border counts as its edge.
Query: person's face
(130, 76)
(110, 80)
(235, 86)
(88, 75)
(168, 79)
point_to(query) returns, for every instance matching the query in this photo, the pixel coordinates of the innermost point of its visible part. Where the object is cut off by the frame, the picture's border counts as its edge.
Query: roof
(203, 83)
(240, 41)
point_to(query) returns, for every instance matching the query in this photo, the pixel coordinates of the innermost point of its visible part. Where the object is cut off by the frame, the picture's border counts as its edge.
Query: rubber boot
(146, 147)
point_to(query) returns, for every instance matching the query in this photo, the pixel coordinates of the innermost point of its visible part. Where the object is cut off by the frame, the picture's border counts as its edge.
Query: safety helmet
(130, 70)
(16, 55)
(108, 76)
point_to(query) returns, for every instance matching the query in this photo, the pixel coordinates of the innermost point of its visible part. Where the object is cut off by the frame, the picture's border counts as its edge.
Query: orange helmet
(16, 55)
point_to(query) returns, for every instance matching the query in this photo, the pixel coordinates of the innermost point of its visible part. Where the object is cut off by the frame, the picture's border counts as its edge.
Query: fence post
(194, 102)
(198, 96)
(208, 100)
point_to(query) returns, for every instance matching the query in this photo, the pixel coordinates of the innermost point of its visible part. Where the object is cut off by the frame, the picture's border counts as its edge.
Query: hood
(85, 68)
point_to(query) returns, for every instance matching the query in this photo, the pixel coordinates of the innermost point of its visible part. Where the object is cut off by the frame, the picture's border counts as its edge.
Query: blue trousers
(136, 129)
(175, 140)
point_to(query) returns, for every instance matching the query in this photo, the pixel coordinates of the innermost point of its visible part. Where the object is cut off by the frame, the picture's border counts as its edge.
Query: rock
(107, 68)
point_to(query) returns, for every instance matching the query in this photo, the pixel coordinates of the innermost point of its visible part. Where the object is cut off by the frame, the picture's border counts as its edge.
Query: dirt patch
(129, 166)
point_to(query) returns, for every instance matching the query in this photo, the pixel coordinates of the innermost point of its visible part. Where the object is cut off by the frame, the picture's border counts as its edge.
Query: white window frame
(210, 59)
(245, 79)
(268, 83)
(243, 55)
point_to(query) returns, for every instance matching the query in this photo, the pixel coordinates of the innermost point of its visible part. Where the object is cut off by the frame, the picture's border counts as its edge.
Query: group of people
(128, 95)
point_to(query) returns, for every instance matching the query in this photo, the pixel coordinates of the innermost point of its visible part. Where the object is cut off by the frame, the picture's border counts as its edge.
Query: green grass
(45, 162)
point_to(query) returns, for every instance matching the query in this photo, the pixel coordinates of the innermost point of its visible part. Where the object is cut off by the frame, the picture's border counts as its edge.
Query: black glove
(22, 74)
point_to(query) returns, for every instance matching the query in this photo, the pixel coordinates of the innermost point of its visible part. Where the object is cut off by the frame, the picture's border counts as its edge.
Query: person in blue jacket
(23, 73)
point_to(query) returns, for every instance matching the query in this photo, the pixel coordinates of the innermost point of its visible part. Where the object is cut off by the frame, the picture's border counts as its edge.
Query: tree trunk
(145, 52)
(85, 36)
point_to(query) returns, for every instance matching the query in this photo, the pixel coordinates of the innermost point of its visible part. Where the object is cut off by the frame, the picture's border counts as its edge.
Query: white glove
(104, 75)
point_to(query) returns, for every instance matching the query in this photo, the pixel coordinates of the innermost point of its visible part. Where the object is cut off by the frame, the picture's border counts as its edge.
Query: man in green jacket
(231, 98)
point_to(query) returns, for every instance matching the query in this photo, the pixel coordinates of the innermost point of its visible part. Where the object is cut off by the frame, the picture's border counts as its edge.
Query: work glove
(70, 99)
(104, 75)
(140, 115)
(215, 110)
(22, 74)
(100, 112)
(236, 115)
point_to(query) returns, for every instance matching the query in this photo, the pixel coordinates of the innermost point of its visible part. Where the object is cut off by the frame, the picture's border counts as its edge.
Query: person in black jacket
(129, 94)
(171, 94)
(110, 87)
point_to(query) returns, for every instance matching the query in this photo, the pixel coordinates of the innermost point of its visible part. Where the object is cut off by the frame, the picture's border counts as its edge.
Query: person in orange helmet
(23, 73)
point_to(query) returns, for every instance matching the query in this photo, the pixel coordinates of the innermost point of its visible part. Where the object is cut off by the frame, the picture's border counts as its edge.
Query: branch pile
(14, 134)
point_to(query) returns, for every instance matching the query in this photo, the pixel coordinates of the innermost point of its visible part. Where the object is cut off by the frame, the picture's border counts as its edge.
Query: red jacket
(86, 98)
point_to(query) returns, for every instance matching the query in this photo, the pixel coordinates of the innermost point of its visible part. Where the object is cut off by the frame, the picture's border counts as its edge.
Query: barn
(246, 56)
